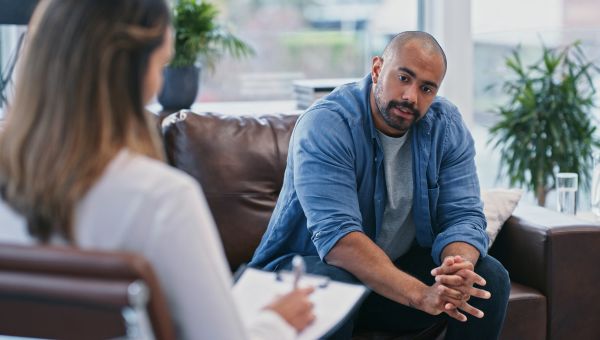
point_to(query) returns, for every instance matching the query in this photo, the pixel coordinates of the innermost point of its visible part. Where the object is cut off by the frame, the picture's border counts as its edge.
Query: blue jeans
(381, 314)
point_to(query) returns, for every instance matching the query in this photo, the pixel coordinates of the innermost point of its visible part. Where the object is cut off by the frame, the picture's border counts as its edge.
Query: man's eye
(427, 89)
(403, 78)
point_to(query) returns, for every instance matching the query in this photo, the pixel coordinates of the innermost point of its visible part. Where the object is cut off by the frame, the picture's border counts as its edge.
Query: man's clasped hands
(454, 286)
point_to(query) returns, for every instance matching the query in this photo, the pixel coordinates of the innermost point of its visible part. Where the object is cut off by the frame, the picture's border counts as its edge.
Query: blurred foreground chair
(67, 293)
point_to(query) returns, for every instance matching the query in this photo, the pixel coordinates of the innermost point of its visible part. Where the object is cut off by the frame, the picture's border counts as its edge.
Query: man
(381, 188)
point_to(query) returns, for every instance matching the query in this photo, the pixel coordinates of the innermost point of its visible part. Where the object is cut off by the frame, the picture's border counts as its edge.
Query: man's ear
(377, 65)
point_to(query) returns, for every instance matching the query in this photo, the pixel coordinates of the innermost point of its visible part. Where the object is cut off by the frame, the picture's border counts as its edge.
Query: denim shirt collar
(366, 83)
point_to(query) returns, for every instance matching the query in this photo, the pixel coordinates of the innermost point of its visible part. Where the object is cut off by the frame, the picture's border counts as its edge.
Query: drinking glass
(566, 188)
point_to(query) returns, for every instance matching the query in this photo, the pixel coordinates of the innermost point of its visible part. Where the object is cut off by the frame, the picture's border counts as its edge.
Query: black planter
(180, 87)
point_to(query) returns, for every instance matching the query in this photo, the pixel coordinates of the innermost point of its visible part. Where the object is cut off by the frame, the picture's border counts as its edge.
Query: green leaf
(199, 37)
(546, 122)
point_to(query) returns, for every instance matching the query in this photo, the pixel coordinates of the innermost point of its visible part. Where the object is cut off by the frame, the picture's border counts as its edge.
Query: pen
(298, 268)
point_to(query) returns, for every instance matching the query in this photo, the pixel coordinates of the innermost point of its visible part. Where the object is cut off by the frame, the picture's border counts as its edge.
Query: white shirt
(142, 205)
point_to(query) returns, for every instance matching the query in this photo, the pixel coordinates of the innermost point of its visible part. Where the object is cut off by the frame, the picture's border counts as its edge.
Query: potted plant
(199, 40)
(546, 125)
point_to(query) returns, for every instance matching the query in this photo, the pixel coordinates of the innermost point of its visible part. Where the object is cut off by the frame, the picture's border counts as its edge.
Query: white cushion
(498, 205)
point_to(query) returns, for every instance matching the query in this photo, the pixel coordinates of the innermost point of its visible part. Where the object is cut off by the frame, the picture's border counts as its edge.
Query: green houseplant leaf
(200, 37)
(546, 124)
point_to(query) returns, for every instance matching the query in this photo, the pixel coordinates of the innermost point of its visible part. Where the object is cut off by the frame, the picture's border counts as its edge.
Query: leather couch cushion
(526, 314)
(239, 161)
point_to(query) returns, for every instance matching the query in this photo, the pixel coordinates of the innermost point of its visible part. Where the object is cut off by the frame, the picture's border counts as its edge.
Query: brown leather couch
(553, 259)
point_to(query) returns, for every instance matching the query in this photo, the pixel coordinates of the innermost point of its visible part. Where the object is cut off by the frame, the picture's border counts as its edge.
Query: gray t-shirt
(397, 230)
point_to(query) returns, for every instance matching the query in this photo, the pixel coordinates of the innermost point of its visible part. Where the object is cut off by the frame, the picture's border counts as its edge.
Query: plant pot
(180, 87)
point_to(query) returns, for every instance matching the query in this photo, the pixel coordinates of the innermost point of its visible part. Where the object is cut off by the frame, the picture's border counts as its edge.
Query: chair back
(68, 293)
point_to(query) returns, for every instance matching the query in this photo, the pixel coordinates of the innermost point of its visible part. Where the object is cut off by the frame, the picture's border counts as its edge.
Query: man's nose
(410, 94)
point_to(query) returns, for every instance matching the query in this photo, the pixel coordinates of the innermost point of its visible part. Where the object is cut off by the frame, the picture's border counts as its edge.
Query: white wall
(516, 15)
(450, 23)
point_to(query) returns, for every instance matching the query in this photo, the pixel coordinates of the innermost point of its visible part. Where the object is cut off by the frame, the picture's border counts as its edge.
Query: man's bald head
(406, 79)
(426, 41)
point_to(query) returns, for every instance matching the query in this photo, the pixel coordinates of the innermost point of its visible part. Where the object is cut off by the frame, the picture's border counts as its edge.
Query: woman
(80, 163)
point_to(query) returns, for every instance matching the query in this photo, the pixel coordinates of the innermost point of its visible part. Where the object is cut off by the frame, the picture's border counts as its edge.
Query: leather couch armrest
(558, 255)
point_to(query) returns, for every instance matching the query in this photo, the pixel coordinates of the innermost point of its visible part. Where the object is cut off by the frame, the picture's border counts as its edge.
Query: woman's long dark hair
(78, 101)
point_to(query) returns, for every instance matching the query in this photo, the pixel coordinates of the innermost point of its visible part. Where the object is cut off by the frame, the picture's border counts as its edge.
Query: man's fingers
(450, 280)
(459, 266)
(451, 307)
(448, 261)
(471, 276)
(480, 293)
(467, 308)
(460, 285)
(454, 313)
(450, 303)
(454, 268)
(451, 293)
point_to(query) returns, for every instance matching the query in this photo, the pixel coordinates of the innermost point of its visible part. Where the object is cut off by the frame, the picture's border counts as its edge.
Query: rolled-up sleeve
(325, 177)
(459, 210)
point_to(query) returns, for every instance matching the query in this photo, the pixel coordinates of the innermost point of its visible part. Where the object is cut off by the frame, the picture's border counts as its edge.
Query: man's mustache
(404, 105)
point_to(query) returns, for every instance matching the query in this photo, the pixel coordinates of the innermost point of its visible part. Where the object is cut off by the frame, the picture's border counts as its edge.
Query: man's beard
(393, 121)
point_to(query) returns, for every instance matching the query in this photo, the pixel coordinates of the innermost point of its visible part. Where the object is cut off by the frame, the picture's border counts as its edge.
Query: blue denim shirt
(334, 182)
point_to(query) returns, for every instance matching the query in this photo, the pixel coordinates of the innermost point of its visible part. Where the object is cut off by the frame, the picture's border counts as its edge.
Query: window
(302, 39)
(12, 13)
(551, 22)
(500, 26)
(9, 38)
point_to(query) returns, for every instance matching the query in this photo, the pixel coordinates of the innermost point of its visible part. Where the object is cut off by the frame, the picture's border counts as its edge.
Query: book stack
(308, 91)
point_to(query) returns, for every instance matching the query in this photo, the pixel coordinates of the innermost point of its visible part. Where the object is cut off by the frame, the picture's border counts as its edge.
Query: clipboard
(334, 302)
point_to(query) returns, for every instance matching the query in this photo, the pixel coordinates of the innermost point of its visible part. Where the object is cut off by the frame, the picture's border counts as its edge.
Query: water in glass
(595, 192)
(566, 189)
(566, 200)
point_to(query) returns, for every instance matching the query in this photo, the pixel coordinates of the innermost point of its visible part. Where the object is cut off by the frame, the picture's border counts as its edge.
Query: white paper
(256, 289)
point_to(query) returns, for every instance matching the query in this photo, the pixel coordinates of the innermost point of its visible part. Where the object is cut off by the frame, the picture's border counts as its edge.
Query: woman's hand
(295, 308)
